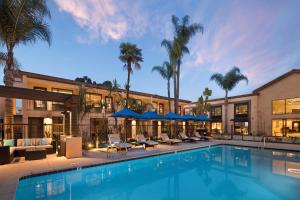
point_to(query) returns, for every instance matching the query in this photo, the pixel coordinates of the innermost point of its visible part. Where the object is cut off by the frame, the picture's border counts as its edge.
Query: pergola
(70, 101)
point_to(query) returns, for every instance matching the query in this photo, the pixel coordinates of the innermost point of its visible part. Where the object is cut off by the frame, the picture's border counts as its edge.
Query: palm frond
(219, 79)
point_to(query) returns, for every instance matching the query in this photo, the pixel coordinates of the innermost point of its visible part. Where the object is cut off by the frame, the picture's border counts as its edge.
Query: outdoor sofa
(31, 143)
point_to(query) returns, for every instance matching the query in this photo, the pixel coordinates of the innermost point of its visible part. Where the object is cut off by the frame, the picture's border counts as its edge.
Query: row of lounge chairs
(115, 140)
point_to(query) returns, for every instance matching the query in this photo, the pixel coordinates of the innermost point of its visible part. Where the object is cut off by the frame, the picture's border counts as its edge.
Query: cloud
(258, 37)
(105, 19)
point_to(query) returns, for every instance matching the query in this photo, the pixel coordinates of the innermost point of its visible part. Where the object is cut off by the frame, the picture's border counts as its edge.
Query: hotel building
(40, 118)
(270, 110)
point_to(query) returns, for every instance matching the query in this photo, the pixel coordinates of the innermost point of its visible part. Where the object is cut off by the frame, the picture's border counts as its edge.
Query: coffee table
(35, 154)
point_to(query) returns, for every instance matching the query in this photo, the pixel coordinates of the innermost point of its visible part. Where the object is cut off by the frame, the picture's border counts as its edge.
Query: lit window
(108, 101)
(216, 127)
(293, 106)
(179, 110)
(241, 109)
(278, 107)
(161, 108)
(93, 100)
(40, 105)
(216, 111)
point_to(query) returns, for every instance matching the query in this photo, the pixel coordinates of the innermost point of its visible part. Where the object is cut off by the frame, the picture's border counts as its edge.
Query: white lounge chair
(196, 134)
(184, 137)
(142, 140)
(115, 142)
(165, 139)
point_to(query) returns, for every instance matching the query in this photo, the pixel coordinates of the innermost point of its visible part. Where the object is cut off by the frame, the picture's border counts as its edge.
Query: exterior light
(90, 145)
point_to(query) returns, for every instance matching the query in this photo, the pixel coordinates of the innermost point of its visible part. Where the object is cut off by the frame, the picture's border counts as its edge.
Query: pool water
(220, 172)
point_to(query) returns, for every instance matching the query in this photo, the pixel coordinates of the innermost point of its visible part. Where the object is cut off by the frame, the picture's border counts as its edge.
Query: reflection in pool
(221, 172)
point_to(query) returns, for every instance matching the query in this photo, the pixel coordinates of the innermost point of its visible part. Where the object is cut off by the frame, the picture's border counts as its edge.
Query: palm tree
(177, 48)
(166, 72)
(21, 22)
(227, 82)
(206, 93)
(184, 31)
(130, 54)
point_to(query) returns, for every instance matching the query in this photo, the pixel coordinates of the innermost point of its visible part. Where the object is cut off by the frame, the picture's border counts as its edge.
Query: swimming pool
(220, 172)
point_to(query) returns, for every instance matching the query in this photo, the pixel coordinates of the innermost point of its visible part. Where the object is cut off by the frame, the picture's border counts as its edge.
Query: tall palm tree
(21, 22)
(184, 31)
(227, 82)
(166, 72)
(174, 49)
(130, 54)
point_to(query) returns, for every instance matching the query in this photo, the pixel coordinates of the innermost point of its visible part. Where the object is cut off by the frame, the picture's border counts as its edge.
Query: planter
(73, 147)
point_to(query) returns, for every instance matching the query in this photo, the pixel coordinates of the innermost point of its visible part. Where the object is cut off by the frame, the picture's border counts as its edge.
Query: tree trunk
(226, 113)
(169, 95)
(178, 81)
(175, 89)
(128, 82)
(9, 81)
(175, 96)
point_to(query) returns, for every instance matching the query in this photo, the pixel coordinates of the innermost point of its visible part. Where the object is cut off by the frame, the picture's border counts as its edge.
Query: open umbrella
(189, 117)
(150, 115)
(126, 113)
(172, 116)
(203, 118)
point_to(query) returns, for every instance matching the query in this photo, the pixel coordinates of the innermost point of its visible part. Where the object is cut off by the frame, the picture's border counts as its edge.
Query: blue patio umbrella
(172, 116)
(203, 118)
(126, 113)
(189, 117)
(150, 115)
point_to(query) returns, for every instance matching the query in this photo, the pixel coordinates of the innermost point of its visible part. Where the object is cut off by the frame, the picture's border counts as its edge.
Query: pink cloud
(104, 19)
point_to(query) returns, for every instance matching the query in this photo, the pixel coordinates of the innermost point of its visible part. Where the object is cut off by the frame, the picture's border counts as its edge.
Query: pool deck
(11, 173)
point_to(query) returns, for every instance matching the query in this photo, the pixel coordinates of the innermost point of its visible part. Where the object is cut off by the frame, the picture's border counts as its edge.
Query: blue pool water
(221, 172)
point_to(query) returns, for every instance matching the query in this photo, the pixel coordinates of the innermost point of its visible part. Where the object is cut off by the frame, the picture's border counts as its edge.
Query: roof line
(69, 81)
(276, 80)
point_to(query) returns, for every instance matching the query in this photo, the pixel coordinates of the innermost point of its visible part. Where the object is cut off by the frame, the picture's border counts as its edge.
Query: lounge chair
(165, 139)
(115, 142)
(196, 134)
(142, 140)
(184, 137)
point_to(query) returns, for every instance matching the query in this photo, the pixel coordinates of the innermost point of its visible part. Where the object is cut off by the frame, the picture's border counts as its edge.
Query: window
(216, 111)
(241, 128)
(278, 107)
(241, 109)
(179, 110)
(93, 100)
(161, 108)
(216, 127)
(58, 125)
(108, 101)
(139, 102)
(286, 127)
(293, 106)
(154, 104)
(40, 105)
(60, 105)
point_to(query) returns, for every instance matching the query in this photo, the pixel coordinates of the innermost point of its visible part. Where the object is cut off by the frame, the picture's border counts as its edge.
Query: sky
(261, 37)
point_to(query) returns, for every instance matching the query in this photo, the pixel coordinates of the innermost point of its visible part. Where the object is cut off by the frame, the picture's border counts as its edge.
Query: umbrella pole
(125, 126)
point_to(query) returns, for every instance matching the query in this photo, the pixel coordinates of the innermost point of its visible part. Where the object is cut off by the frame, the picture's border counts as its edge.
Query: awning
(126, 113)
